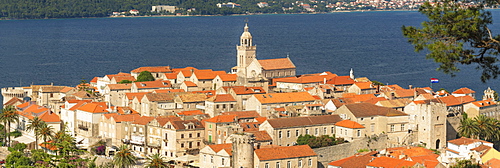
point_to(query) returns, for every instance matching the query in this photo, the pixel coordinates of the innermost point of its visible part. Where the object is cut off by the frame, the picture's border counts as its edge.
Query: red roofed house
(286, 156)
(218, 128)
(241, 94)
(114, 129)
(303, 81)
(355, 161)
(264, 103)
(377, 120)
(362, 88)
(224, 80)
(464, 92)
(150, 86)
(285, 131)
(483, 107)
(219, 103)
(84, 117)
(216, 156)
(115, 93)
(467, 148)
(51, 97)
(204, 78)
(349, 130)
(28, 111)
(108, 79)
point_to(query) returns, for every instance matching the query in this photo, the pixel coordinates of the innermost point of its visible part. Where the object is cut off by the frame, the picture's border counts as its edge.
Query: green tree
(125, 81)
(18, 147)
(123, 157)
(145, 76)
(17, 159)
(156, 161)
(46, 132)
(9, 115)
(35, 125)
(480, 127)
(465, 164)
(456, 35)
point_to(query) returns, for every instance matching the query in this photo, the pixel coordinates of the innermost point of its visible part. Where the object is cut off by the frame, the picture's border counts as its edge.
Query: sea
(66, 51)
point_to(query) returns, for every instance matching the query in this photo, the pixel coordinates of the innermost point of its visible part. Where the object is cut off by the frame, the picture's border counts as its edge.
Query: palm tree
(124, 158)
(8, 116)
(46, 132)
(467, 127)
(35, 125)
(487, 128)
(156, 161)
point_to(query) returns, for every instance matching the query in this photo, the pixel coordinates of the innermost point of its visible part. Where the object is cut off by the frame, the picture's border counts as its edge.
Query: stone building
(428, 122)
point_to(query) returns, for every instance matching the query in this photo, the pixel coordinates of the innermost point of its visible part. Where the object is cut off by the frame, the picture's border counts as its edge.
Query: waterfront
(63, 51)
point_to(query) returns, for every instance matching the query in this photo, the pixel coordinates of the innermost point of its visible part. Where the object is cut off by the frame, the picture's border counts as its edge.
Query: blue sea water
(64, 51)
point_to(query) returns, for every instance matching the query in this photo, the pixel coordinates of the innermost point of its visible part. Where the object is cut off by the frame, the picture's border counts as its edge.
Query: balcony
(85, 128)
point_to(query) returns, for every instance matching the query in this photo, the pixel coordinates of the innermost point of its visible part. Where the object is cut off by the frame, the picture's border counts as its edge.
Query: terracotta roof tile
(168, 90)
(222, 98)
(125, 86)
(243, 114)
(279, 63)
(484, 103)
(307, 79)
(303, 121)
(222, 119)
(366, 110)
(160, 97)
(94, 107)
(121, 78)
(121, 117)
(493, 163)
(388, 162)
(142, 120)
(354, 161)
(190, 84)
(52, 89)
(228, 77)
(464, 91)
(217, 148)
(454, 101)
(13, 101)
(466, 141)
(207, 74)
(284, 97)
(192, 97)
(94, 80)
(241, 90)
(155, 69)
(181, 124)
(67, 89)
(284, 152)
(50, 117)
(349, 124)
(139, 95)
(164, 120)
(364, 85)
(341, 80)
(261, 136)
(190, 113)
(153, 84)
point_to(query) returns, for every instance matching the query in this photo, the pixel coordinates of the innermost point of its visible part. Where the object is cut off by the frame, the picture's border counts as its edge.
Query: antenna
(246, 20)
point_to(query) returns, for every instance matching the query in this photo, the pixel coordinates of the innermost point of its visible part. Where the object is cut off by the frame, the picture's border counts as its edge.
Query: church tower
(245, 52)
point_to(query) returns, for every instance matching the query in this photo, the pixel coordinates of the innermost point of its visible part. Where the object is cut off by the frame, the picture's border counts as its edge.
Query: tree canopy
(457, 34)
(145, 76)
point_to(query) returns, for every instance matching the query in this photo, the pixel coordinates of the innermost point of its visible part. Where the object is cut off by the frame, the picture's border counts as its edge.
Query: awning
(25, 139)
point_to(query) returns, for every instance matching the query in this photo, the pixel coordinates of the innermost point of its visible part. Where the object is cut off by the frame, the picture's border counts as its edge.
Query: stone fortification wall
(332, 153)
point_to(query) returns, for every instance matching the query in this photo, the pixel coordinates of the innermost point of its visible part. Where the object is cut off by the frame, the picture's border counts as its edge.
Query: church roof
(278, 63)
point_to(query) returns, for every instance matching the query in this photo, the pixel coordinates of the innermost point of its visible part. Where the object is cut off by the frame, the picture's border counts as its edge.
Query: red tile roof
(122, 117)
(190, 84)
(168, 90)
(303, 121)
(261, 136)
(190, 113)
(367, 110)
(222, 119)
(284, 152)
(243, 114)
(154, 69)
(94, 107)
(349, 124)
(484, 103)
(222, 98)
(207, 74)
(454, 101)
(341, 80)
(354, 161)
(153, 84)
(142, 120)
(388, 162)
(228, 77)
(219, 147)
(125, 86)
(240, 90)
(50, 117)
(139, 95)
(307, 79)
(466, 141)
(279, 63)
(284, 97)
(463, 91)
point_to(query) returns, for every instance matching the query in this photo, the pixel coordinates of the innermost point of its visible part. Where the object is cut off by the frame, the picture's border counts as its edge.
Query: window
(222, 162)
(182, 145)
(300, 163)
(296, 133)
(310, 162)
(204, 158)
(289, 164)
(359, 133)
(277, 164)
(333, 129)
(166, 135)
(279, 134)
(182, 135)
(140, 129)
(267, 165)
(288, 134)
(190, 135)
(324, 130)
(316, 131)
(126, 129)
(198, 134)
(307, 131)
(392, 128)
(402, 127)
(135, 129)
(211, 159)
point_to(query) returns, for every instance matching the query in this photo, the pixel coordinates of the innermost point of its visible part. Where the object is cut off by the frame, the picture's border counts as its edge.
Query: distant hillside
(40, 9)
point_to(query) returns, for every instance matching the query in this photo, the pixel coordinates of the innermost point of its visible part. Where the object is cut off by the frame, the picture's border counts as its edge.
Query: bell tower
(245, 52)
